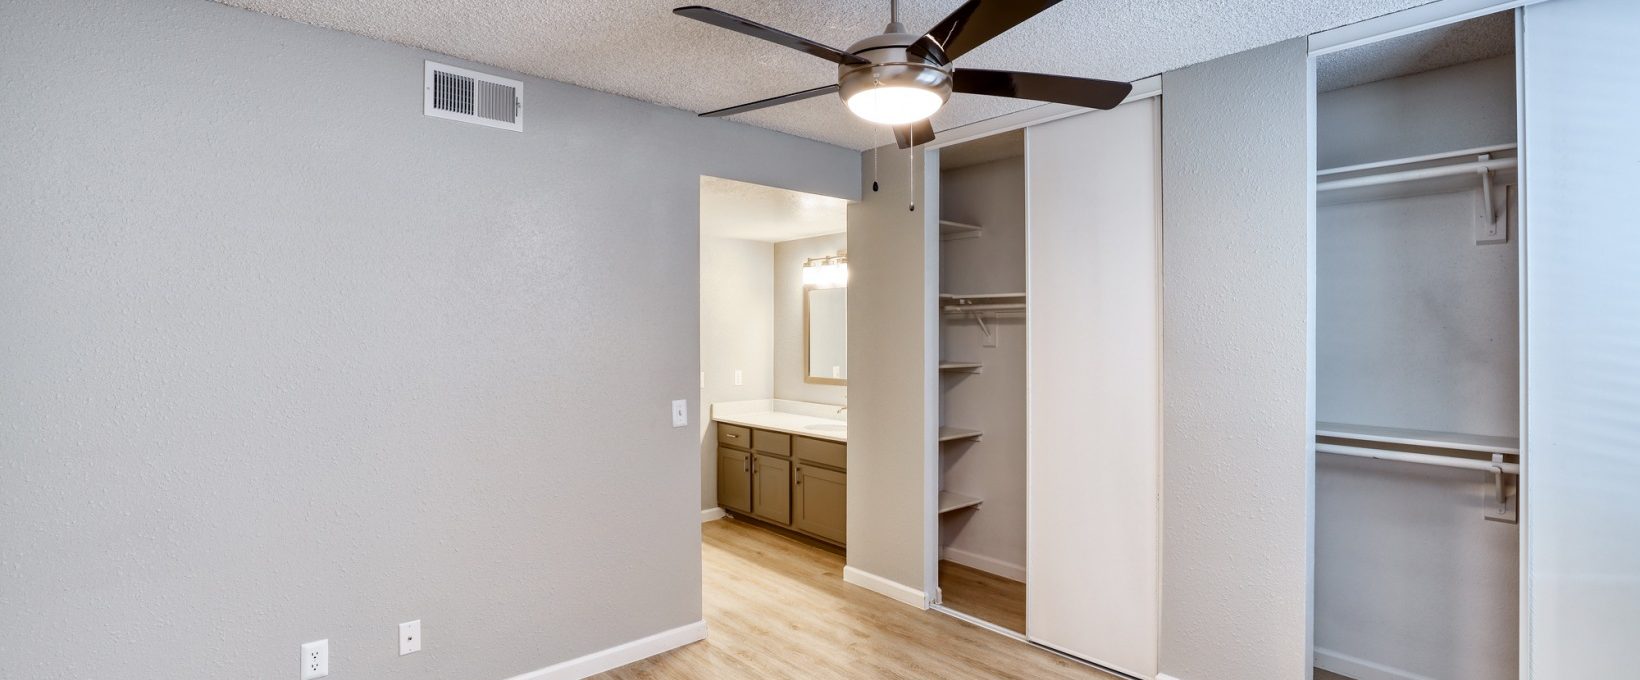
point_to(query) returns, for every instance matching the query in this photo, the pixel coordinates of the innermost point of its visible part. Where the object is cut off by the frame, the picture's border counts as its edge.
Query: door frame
(1413, 20)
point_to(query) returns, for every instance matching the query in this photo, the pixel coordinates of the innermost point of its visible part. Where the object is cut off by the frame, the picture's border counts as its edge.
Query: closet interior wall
(990, 537)
(1417, 327)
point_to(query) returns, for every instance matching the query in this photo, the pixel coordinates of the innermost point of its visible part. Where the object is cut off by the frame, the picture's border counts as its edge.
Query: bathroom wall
(991, 538)
(1416, 326)
(789, 359)
(736, 333)
(286, 359)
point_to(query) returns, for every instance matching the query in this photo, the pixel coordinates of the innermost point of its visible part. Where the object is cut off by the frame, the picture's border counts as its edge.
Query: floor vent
(473, 97)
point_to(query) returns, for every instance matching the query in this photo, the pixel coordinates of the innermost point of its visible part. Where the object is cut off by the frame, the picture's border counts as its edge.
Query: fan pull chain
(911, 171)
(874, 166)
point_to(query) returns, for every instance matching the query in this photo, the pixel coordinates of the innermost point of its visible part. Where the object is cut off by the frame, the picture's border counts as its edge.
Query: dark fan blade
(920, 132)
(774, 35)
(771, 101)
(977, 21)
(1094, 94)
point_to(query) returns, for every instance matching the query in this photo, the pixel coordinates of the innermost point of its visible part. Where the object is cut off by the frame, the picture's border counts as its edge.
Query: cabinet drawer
(777, 443)
(734, 435)
(820, 451)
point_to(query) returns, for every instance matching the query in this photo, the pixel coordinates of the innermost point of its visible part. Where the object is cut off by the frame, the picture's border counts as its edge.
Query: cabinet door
(822, 502)
(772, 488)
(734, 479)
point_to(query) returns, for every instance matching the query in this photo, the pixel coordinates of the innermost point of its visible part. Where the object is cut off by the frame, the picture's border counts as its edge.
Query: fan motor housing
(893, 64)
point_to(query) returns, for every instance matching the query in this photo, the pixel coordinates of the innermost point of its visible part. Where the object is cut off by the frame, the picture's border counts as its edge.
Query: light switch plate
(739, 378)
(409, 637)
(680, 413)
(316, 659)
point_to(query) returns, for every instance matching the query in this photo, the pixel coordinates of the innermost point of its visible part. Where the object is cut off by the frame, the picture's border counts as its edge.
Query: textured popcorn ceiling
(638, 48)
(1485, 37)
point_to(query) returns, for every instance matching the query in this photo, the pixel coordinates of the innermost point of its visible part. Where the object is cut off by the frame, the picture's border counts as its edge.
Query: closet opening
(982, 375)
(1418, 395)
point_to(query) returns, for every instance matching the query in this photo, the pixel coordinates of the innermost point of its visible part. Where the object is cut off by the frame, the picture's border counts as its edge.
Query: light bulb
(894, 105)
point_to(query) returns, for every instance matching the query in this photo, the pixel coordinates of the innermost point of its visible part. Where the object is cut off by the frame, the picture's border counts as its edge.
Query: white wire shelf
(951, 230)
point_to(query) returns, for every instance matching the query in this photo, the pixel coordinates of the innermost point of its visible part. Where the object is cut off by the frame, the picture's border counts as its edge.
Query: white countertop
(820, 421)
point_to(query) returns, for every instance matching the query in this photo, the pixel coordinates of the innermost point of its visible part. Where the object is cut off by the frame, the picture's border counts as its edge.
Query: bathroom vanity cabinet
(789, 481)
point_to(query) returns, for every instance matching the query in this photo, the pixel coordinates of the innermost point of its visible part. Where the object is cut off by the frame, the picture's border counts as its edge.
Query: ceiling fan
(900, 79)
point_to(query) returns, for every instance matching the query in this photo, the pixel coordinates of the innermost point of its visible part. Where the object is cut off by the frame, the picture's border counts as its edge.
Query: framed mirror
(825, 335)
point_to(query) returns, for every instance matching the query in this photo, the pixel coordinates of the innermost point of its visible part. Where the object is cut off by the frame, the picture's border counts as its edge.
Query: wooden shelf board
(971, 367)
(951, 502)
(1422, 438)
(950, 434)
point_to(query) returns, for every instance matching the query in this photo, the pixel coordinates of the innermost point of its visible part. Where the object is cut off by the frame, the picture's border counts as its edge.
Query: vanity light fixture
(830, 271)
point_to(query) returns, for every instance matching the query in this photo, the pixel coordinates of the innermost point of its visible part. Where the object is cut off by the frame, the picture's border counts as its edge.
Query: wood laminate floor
(776, 608)
(983, 595)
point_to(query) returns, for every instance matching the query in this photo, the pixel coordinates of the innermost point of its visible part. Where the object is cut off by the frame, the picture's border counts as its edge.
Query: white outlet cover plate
(680, 413)
(316, 659)
(409, 637)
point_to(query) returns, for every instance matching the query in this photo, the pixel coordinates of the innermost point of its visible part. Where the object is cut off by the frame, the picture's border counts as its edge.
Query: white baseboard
(710, 514)
(1360, 669)
(882, 586)
(619, 655)
(1165, 676)
(990, 565)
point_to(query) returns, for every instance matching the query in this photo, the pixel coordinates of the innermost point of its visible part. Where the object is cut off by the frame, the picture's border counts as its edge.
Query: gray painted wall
(1238, 433)
(1582, 339)
(1488, 113)
(892, 352)
(1416, 326)
(991, 195)
(789, 361)
(736, 332)
(287, 360)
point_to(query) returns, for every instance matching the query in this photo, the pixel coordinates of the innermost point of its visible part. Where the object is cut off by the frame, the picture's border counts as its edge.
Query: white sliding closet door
(1580, 147)
(1094, 190)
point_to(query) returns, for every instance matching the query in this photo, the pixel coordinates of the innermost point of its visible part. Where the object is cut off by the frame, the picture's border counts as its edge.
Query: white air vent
(473, 97)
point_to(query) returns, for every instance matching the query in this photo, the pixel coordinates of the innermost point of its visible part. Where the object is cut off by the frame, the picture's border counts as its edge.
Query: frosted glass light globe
(894, 105)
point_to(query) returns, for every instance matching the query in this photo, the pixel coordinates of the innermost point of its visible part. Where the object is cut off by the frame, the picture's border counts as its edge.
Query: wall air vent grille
(473, 97)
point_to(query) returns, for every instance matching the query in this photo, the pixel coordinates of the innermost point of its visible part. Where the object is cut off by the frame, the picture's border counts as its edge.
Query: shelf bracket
(1506, 494)
(985, 329)
(1488, 213)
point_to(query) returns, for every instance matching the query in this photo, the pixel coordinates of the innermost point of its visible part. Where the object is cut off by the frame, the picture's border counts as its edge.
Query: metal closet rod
(1420, 458)
(1470, 168)
(992, 307)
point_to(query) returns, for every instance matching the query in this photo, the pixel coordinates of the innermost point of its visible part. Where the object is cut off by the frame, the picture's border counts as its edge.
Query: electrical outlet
(315, 659)
(409, 637)
(680, 413)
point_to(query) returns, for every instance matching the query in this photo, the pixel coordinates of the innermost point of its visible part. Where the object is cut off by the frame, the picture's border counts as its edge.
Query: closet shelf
(982, 302)
(961, 367)
(951, 434)
(1445, 172)
(952, 502)
(952, 230)
(1454, 441)
(1441, 449)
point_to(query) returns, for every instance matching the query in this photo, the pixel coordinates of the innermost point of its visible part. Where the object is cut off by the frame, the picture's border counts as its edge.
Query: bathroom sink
(826, 427)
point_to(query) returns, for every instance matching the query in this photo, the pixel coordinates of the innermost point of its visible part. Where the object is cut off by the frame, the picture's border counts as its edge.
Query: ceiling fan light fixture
(894, 104)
